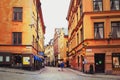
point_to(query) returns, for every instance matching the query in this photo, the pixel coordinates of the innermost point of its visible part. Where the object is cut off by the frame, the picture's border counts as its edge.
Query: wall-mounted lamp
(85, 45)
(31, 25)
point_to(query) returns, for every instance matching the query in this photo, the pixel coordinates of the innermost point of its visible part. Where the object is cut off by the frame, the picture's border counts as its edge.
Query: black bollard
(91, 69)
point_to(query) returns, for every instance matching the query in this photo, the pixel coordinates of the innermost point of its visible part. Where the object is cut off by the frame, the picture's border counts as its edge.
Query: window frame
(78, 38)
(97, 23)
(114, 7)
(81, 34)
(94, 1)
(81, 9)
(17, 13)
(18, 37)
(118, 26)
(1, 58)
(7, 58)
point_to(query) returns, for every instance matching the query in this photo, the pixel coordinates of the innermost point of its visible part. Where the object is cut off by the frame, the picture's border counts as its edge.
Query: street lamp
(31, 25)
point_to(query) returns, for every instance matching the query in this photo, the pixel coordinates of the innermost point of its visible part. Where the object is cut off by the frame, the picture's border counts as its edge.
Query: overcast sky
(54, 15)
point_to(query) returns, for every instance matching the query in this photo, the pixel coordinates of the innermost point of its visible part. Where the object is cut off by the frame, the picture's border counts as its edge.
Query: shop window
(97, 5)
(7, 58)
(115, 4)
(18, 59)
(116, 60)
(99, 30)
(1, 58)
(115, 29)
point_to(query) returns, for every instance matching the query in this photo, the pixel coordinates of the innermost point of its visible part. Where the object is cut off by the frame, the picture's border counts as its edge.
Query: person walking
(62, 65)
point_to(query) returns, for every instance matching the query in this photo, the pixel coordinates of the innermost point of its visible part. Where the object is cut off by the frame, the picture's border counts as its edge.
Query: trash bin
(91, 71)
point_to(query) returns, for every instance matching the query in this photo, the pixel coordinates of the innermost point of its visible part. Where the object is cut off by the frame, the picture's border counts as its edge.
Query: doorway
(99, 63)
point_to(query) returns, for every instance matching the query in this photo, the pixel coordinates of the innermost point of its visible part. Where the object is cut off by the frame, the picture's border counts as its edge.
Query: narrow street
(49, 73)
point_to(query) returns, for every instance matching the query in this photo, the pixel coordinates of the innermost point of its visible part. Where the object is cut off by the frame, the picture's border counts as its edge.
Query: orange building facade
(22, 33)
(94, 35)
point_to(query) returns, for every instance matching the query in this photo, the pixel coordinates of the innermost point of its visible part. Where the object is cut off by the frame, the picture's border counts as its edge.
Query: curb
(95, 75)
(21, 71)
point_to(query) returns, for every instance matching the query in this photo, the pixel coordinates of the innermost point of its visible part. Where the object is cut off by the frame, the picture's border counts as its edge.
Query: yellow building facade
(63, 38)
(60, 45)
(22, 33)
(94, 35)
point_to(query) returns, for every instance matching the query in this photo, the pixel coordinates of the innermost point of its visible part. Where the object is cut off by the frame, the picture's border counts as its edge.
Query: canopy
(37, 58)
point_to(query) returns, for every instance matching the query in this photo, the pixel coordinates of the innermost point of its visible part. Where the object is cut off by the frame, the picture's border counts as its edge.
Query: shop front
(104, 60)
(32, 62)
(37, 62)
(5, 59)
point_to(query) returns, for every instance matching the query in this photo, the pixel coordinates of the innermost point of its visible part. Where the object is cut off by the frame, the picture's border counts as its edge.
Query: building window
(1, 58)
(116, 60)
(115, 4)
(77, 38)
(81, 33)
(97, 5)
(115, 29)
(77, 17)
(17, 38)
(98, 30)
(7, 58)
(17, 13)
(81, 10)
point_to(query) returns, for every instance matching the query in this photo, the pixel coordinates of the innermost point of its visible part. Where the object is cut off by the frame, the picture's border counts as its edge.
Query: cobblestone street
(51, 73)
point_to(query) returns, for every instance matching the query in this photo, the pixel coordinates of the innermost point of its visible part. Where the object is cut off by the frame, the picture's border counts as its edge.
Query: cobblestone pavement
(51, 73)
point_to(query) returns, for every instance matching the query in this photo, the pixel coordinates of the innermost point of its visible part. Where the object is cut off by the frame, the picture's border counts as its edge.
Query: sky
(54, 16)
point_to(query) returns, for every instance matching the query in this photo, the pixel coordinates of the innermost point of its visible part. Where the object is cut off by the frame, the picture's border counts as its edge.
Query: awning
(37, 58)
(41, 53)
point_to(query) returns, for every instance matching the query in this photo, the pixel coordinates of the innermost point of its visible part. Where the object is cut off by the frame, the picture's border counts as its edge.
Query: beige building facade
(49, 53)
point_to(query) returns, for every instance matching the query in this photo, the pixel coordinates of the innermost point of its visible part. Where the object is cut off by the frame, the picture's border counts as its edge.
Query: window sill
(17, 20)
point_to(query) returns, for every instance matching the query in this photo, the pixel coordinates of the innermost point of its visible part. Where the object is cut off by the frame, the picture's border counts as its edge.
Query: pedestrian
(62, 65)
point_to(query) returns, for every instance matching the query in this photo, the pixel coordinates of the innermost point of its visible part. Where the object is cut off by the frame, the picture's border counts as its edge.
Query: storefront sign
(88, 50)
(28, 47)
(26, 60)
